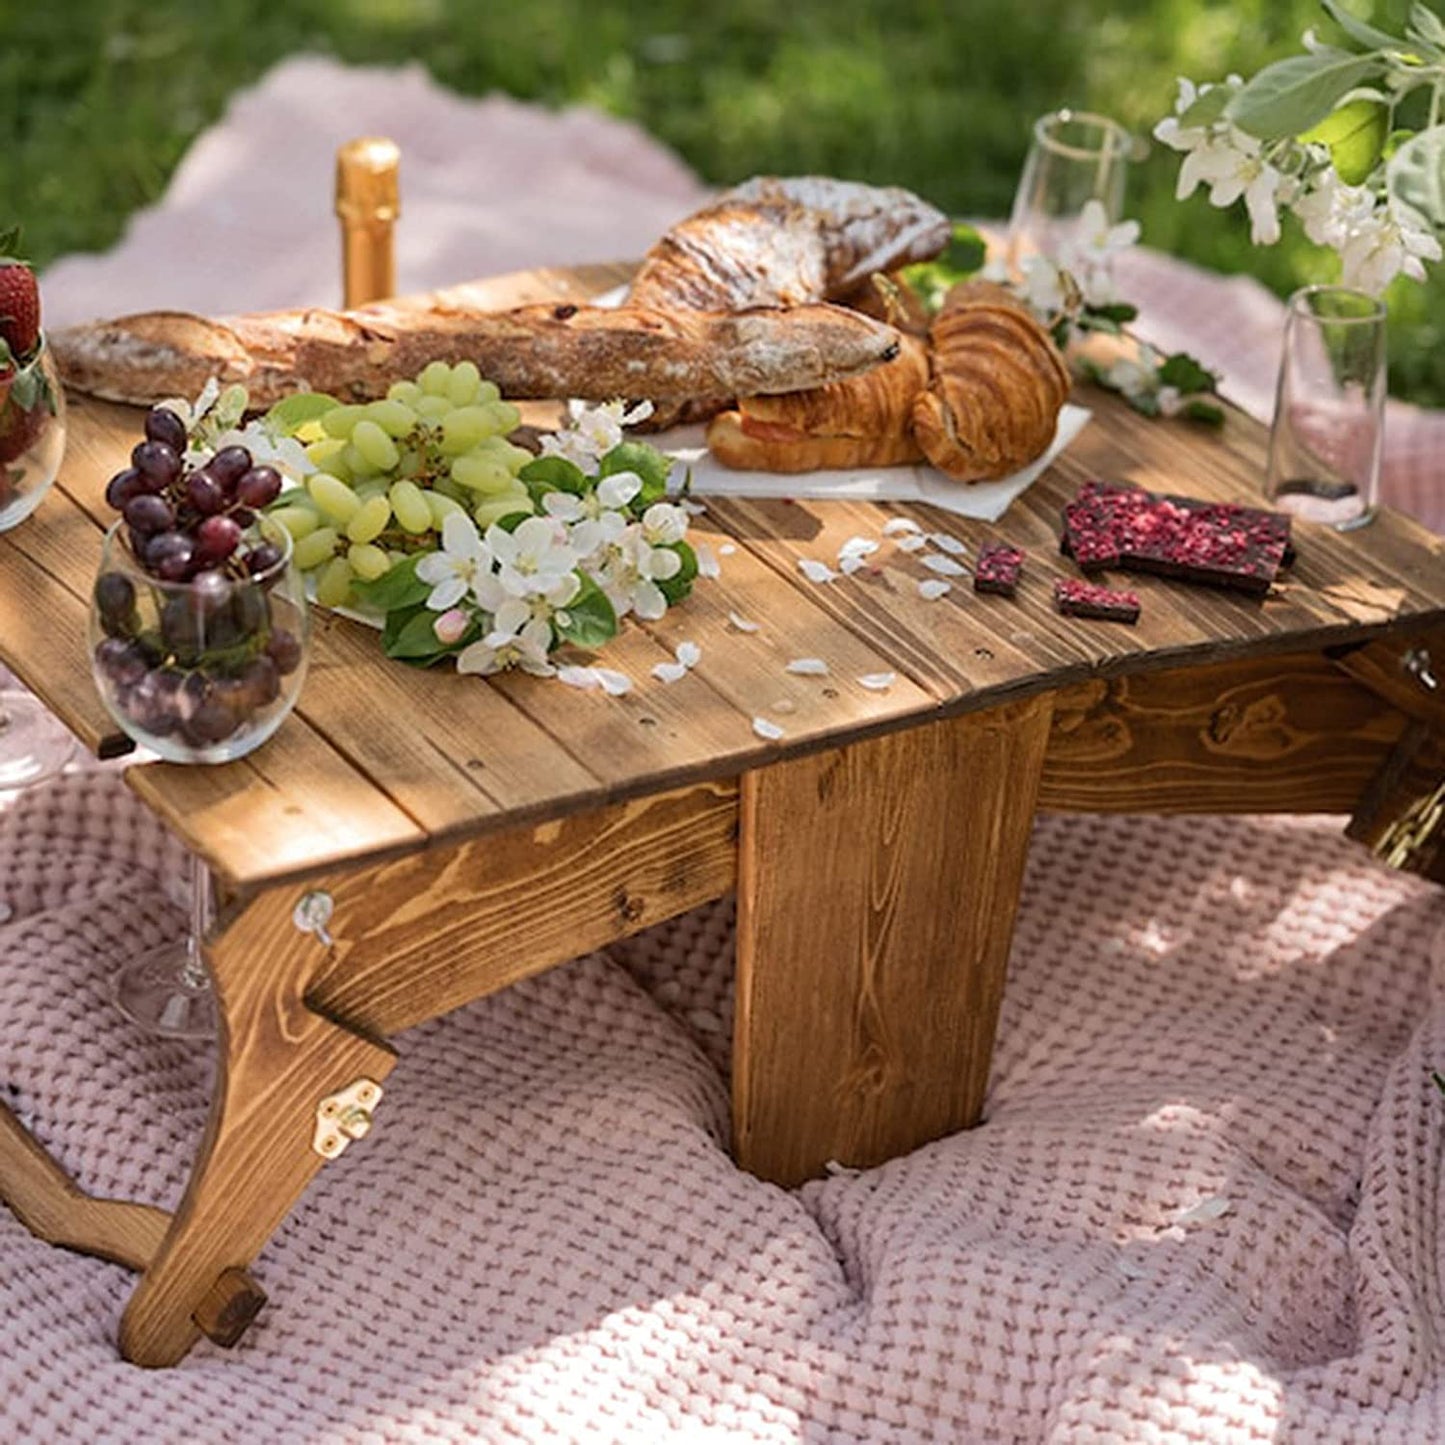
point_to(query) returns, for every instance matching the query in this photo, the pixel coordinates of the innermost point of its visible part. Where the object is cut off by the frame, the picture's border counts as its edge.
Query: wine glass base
(152, 991)
(33, 746)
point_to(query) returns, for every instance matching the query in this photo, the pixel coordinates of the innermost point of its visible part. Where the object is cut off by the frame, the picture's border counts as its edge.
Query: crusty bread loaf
(998, 384)
(786, 242)
(531, 351)
(862, 422)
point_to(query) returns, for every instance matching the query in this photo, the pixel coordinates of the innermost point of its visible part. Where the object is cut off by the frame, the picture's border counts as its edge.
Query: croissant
(998, 384)
(864, 421)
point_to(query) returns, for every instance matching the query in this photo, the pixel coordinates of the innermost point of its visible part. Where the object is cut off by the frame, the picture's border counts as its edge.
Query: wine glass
(1075, 157)
(202, 669)
(33, 746)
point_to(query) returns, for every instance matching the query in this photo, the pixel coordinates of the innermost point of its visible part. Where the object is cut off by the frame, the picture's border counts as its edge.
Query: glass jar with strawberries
(32, 403)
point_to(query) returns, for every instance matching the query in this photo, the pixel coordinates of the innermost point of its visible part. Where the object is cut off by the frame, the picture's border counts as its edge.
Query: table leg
(279, 1059)
(877, 886)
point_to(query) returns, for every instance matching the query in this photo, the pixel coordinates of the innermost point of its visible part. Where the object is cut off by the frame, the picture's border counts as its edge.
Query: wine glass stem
(194, 976)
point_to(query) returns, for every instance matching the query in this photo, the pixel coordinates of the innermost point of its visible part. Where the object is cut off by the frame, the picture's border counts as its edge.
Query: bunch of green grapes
(389, 472)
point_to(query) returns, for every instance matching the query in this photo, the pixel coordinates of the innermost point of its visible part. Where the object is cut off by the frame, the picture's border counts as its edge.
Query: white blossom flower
(631, 574)
(1092, 249)
(1395, 239)
(593, 431)
(462, 562)
(1134, 377)
(1043, 285)
(511, 614)
(535, 559)
(1231, 165)
(1330, 211)
(499, 650)
(663, 523)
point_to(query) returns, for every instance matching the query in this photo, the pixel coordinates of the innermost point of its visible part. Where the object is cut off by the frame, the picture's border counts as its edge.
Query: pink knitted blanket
(1203, 1206)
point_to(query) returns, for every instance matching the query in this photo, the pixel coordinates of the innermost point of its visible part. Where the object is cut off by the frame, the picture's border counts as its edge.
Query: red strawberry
(19, 300)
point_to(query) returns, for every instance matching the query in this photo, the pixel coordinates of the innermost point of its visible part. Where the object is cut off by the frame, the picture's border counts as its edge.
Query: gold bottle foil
(368, 201)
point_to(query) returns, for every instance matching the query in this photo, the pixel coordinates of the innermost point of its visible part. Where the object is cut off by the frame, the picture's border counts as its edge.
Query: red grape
(163, 425)
(122, 487)
(205, 493)
(259, 487)
(216, 539)
(284, 650)
(159, 464)
(149, 514)
(229, 465)
(169, 556)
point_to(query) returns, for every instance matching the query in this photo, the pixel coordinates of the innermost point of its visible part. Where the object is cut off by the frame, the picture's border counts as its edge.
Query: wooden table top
(380, 758)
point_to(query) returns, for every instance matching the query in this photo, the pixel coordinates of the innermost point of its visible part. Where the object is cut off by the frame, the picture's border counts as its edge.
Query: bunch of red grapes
(211, 657)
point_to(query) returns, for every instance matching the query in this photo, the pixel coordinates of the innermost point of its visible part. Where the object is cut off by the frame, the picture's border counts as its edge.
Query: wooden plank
(877, 886)
(427, 933)
(1382, 667)
(1272, 734)
(1401, 815)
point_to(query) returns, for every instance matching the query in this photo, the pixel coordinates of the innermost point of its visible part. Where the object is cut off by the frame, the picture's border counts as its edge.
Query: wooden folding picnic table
(469, 833)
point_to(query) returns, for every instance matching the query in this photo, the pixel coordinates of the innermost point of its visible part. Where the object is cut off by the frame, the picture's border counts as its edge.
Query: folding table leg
(278, 1060)
(877, 886)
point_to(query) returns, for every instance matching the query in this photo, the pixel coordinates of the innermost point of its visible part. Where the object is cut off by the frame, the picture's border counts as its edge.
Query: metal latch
(1408, 835)
(344, 1116)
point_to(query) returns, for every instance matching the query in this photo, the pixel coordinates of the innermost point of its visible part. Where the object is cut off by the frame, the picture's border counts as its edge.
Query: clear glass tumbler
(1076, 157)
(202, 670)
(1329, 412)
(32, 435)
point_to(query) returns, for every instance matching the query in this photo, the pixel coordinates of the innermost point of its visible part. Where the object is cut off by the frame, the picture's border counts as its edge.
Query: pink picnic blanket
(1203, 1206)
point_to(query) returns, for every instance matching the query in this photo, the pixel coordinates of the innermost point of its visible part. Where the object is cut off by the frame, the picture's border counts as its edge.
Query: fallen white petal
(912, 542)
(727, 549)
(689, 654)
(945, 565)
(896, 526)
(693, 507)
(932, 588)
(765, 729)
(878, 681)
(707, 562)
(1206, 1211)
(584, 677)
(614, 684)
(815, 571)
(857, 547)
(809, 667)
(947, 543)
(669, 671)
(851, 563)
(741, 623)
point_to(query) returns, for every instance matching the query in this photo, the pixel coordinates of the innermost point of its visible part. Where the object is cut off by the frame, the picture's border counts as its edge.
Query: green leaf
(966, 252)
(555, 474)
(591, 618)
(230, 407)
(1355, 134)
(1207, 108)
(647, 462)
(1425, 26)
(1121, 313)
(410, 636)
(1358, 31)
(677, 587)
(1203, 411)
(1290, 96)
(399, 588)
(1187, 375)
(1416, 174)
(291, 413)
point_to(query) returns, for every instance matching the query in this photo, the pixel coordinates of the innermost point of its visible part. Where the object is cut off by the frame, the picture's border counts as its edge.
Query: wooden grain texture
(1270, 734)
(427, 933)
(278, 1060)
(1382, 667)
(877, 886)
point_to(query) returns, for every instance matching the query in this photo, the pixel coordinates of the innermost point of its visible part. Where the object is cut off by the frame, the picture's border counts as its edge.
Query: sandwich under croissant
(865, 421)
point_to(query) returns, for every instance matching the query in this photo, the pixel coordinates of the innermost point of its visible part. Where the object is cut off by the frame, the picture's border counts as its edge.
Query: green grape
(433, 408)
(370, 487)
(323, 453)
(375, 446)
(299, 521)
(356, 463)
(333, 496)
(463, 428)
(505, 417)
(482, 474)
(370, 520)
(333, 587)
(408, 502)
(339, 421)
(368, 562)
(394, 418)
(503, 453)
(408, 393)
(441, 507)
(487, 393)
(313, 549)
(493, 509)
(435, 378)
(464, 384)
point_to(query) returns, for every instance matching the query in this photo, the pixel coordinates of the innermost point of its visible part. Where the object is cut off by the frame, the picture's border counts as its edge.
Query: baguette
(865, 421)
(542, 351)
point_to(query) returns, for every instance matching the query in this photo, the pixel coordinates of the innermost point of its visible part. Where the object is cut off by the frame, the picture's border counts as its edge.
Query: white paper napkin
(986, 501)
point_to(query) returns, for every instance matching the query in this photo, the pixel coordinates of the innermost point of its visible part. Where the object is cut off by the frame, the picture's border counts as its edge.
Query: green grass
(99, 98)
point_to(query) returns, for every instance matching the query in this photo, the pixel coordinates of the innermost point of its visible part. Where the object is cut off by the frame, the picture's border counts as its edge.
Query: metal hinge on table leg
(344, 1116)
(1406, 838)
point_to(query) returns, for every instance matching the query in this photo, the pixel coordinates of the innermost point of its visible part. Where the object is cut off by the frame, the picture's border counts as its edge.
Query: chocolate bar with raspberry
(1085, 599)
(997, 570)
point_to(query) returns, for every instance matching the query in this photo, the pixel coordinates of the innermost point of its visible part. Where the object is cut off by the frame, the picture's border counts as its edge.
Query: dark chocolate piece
(1085, 599)
(998, 569)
